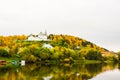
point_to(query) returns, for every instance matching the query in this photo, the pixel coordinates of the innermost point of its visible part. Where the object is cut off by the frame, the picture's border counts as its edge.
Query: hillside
(73, 42)
(56, 48)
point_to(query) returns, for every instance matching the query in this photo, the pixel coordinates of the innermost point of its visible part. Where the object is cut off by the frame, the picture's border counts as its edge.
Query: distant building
(47, 46)
(40, 37)
(31, 37)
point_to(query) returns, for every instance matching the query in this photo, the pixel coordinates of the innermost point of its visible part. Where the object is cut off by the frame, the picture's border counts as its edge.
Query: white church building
(40, 37)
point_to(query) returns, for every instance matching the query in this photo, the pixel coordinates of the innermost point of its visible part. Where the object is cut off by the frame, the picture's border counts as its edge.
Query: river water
(109, 71)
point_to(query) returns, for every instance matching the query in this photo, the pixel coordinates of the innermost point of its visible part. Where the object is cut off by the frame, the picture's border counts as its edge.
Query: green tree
(119, 55)
(93, 54)
(111, 57)
(43, 53)
(4, 53)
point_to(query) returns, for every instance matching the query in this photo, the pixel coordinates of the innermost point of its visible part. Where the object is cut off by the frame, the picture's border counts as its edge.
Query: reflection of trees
(109, 66)
(3, 71)
(119, 66)
(58, 72)
(8, 73)
(93, 68)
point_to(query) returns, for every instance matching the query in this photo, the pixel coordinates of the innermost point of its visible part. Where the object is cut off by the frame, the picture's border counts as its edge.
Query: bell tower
(45, 32)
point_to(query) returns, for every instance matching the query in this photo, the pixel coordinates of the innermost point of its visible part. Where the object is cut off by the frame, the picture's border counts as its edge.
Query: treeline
(73, 42)
(66, 48)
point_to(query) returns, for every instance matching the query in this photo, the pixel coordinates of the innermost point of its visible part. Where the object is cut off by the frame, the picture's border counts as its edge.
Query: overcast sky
(95, 20)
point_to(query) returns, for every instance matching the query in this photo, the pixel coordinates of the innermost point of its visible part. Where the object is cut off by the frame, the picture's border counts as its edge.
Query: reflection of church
(40, 37)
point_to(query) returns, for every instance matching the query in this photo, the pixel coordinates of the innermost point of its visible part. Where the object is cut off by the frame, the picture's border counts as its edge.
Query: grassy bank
(92, 61)
(9, 60)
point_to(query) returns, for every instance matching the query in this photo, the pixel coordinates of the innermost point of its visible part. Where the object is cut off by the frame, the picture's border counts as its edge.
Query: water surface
(60, 72)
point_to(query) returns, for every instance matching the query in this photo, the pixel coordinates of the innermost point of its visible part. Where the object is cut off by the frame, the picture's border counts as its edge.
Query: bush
(43, 53)
(66, 60)
(93, 54)
(119, 55)
(4, 53)
(110, 57)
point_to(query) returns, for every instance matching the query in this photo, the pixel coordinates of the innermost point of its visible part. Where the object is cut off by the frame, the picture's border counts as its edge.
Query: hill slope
(73, 42)
(65, 48)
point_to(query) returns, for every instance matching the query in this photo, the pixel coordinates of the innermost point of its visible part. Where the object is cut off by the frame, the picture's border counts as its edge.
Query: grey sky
(93, 20)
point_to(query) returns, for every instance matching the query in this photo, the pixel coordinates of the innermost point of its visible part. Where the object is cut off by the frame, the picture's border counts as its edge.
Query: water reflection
(108, 75)
(54, 72)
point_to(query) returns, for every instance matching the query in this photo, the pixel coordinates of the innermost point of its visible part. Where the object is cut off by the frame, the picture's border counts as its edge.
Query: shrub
(93, 54)
(4, 53)
(110, 57)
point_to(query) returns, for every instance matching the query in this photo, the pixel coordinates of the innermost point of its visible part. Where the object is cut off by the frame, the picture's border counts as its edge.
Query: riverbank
(17, 60)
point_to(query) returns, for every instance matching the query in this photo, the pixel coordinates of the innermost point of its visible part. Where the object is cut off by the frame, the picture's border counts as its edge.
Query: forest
(65, 49)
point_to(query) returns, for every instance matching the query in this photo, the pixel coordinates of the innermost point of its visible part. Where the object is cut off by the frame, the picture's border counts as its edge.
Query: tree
(4, 53)
(43, 53)
(119, 55)
(93, 54)
(111, 56)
